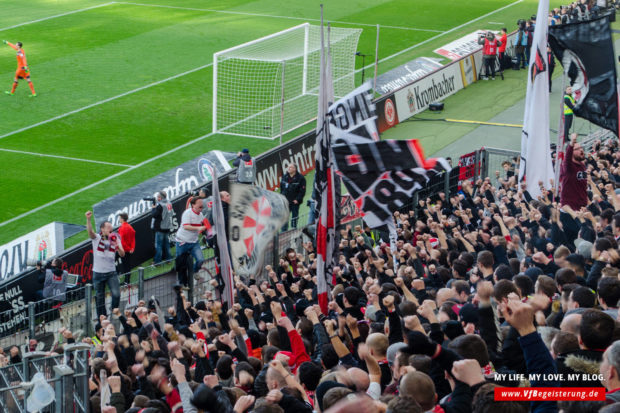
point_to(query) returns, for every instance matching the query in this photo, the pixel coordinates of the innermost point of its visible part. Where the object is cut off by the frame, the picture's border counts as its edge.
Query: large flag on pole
(536, 165)
(586, 52)
(383, 176)
(222, 243)
(256, 215)
(324, 188)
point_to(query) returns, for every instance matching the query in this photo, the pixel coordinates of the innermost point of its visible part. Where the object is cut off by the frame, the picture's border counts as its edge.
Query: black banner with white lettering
(383, 176)
(586, 52)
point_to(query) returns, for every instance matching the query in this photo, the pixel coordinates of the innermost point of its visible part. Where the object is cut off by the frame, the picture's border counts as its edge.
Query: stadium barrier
(403, 103)
(67, 374)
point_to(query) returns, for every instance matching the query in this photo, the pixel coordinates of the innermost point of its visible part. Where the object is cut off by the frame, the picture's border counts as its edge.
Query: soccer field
(125, 89)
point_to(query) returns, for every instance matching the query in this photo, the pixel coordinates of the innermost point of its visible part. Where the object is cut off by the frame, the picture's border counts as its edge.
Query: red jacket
(299, 351)
(128, 237)
(490, 47)
(504, 41)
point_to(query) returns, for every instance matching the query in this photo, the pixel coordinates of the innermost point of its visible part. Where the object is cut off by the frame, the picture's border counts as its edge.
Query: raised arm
(10, 44)
(89, 225)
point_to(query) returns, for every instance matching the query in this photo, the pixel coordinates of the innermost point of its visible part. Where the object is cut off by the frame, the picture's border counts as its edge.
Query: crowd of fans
(578, 11)
(484, 288)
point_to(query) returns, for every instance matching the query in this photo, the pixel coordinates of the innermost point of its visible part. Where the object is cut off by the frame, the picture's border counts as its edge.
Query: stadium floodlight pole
(374, 83)
(282, 102)
(560, 147)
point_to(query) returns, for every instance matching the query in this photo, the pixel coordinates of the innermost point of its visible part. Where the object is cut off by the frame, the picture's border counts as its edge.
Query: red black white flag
(324, 185)
(385, 176)
(586, 52)
(255, 216)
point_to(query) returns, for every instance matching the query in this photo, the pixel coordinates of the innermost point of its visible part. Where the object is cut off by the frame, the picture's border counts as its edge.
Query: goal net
(270, 85)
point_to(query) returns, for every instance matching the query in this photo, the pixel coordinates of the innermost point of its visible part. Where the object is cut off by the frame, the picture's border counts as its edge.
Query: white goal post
(269, 86)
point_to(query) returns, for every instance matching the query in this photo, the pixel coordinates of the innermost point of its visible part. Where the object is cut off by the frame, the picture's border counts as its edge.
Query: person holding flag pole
(536, 168)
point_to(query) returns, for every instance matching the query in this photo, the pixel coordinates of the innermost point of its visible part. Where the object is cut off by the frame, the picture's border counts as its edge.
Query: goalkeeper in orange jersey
(22, 71)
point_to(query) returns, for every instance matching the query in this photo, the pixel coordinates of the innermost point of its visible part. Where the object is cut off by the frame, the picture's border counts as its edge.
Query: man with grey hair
(610, 370)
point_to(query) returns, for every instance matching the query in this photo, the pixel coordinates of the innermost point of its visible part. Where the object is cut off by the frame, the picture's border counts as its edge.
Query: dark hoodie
(584, 364)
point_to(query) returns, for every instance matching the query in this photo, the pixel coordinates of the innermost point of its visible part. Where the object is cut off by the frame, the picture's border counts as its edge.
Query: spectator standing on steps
(490, 44)
(191, 227)
(293, 187)
(569, 105)
(574, 177)
(105, 246)
(128, 241)
(161, 222)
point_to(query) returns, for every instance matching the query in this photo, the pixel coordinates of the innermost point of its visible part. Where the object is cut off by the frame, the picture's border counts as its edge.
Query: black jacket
(293, 188)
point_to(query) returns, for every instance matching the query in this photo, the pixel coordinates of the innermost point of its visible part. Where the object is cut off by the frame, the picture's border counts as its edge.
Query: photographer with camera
(106, 244)
(162, 216)
(490, 45)
(53, 278)
(246, 169)
(521, 44)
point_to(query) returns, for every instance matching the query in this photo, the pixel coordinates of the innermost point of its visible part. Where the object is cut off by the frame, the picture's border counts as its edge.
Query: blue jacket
(539, 361)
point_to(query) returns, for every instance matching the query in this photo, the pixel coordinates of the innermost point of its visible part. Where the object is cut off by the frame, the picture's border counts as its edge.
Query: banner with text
(40, 244)
(175, 182)
(435, 87)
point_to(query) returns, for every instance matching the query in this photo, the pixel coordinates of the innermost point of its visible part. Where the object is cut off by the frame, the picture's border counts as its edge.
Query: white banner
(41, 244)
(536, 166)
(462, 47)
(355, 113)
(415, 98)
(255, 216)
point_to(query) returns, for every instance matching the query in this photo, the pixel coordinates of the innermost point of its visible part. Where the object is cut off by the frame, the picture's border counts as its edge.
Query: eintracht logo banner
(255, 216)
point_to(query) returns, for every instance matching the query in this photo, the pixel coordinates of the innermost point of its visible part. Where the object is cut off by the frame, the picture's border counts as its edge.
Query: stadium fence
(67, 374)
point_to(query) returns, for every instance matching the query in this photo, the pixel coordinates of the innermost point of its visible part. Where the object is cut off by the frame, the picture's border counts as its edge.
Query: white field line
(68, 158)
(440, 35)
(242, 13)
(94, 184)
(56, 15)
(106, 179)
(101, 102)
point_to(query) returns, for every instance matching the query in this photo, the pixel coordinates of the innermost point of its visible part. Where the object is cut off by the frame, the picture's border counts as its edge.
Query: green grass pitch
(128, 85)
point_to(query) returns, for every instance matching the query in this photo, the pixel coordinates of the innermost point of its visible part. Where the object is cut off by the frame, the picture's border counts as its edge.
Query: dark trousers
(294, 210)
(489, 65)
(528, 51)
(568, 122)
(550, 75)
(521, 60)
(125, 267)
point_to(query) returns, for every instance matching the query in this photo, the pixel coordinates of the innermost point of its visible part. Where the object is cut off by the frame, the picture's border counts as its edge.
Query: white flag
(324, 185)
(536, 163)
(222, 243)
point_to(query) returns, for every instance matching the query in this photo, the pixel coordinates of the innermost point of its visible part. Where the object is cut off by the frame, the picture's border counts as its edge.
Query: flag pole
(561, 143)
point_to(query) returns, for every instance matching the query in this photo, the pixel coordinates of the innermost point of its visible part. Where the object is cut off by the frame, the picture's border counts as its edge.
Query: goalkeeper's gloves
(4, 41)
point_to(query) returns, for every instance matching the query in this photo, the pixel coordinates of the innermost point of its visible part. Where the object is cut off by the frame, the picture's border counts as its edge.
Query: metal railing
(66, 373)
